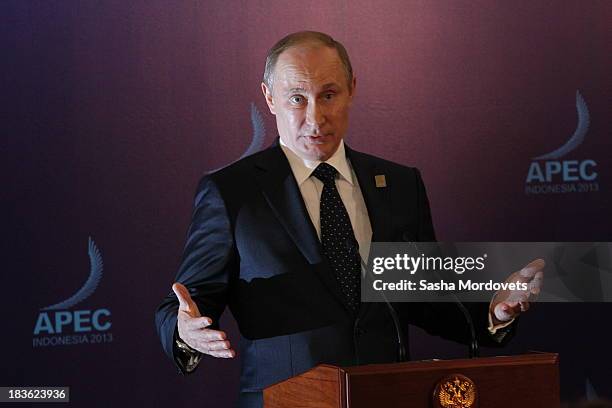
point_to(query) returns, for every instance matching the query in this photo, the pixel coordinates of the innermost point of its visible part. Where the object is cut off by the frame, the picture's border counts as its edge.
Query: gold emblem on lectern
(455, 391)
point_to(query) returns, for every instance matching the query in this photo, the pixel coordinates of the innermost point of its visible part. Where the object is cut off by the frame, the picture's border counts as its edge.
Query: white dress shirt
(348, 188)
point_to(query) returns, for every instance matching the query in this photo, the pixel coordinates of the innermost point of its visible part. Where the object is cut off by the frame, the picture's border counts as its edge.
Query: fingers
(219, 345)
(503, 312)
(211, 344)
(186, 304)
(223, 353)
(531, 269)
(506, 311)
(221, 349)
(195, 328)
(509, 309)
(533, 276)
(512, 308)
(194, 323)
(209, 335)
(535, 286)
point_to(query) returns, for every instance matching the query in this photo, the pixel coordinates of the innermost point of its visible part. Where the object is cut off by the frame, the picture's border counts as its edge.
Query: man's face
(310, 99)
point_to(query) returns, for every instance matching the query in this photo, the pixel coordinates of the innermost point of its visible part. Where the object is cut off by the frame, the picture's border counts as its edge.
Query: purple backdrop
(113, 110)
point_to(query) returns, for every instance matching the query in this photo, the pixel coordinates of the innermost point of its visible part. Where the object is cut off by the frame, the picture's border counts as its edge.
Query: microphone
(353, 248)
(473, 347)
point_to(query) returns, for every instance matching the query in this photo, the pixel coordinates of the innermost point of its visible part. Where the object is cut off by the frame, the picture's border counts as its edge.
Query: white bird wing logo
(578, 136)
(259, 134)
(95, 274)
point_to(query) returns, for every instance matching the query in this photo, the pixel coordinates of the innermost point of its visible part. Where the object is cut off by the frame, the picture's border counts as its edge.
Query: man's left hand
(508, 304)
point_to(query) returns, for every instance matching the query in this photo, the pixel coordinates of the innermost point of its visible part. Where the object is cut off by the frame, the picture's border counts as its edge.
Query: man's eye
(329, 95)
(296, 99)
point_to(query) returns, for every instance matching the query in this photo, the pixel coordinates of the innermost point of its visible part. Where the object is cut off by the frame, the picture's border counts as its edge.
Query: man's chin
(320, 152)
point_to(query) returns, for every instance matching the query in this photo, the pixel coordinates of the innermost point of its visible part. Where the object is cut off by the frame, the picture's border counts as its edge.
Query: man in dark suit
(277, 237)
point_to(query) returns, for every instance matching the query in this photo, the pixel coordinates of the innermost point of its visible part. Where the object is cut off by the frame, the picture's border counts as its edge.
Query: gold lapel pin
(381, 181)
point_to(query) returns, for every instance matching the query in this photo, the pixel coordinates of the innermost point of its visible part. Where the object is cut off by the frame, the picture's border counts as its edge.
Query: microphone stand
(354, 249)
(473, 347)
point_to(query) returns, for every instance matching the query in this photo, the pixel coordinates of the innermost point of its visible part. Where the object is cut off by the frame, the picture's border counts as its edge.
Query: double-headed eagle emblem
(456, 391)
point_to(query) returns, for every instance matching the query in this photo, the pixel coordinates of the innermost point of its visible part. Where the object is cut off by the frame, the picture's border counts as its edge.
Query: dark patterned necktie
(337, 237)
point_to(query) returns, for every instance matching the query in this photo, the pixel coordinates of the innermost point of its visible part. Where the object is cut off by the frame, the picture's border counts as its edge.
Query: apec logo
(59, 325)
(548, 174)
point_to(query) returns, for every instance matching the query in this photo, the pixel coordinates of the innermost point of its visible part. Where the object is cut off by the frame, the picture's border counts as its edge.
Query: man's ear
(353, 88)
(268, 95)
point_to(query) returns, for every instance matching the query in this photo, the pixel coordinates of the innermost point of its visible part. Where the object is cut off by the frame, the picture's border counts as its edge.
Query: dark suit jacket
(251, 246)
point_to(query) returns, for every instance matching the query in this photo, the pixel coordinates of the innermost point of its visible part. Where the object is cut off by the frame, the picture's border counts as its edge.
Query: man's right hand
(192, 327)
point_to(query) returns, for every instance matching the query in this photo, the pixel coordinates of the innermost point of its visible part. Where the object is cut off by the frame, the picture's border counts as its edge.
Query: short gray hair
(303, 37)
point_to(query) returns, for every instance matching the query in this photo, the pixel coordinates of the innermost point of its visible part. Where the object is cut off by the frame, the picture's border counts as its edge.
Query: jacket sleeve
(206, 267)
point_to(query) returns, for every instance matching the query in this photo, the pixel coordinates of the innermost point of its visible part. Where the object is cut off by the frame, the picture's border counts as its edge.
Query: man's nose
(315, 116)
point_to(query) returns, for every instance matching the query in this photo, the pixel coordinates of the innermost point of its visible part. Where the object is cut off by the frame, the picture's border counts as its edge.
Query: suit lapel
(283, 195)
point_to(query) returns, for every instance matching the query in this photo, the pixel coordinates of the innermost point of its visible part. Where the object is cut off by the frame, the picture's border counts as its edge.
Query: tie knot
(325, 172)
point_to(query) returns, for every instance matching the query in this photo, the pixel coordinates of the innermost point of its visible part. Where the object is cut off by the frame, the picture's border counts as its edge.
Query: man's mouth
(316, 139)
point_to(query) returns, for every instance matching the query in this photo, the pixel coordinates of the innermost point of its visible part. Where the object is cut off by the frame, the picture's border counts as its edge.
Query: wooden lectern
(529, 380)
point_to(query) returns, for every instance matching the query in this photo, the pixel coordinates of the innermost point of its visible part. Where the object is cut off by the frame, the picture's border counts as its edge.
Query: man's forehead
(304, 86)
(303, 68)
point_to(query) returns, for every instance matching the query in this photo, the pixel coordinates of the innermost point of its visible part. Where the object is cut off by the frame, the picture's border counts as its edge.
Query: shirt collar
(302, 168)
